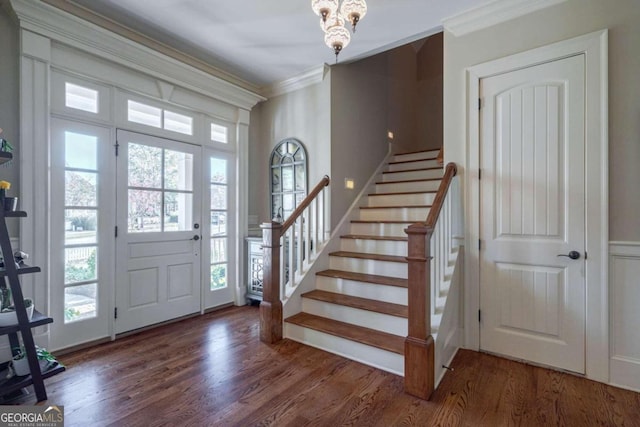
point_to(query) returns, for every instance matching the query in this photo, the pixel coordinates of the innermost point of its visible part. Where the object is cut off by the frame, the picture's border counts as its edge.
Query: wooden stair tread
(382, 340)
(436, 150)
(373, 221)
(395, 207)
(399, 162)
(376, 257)
(362, 277)
(408, 180)
(401, 193)
(415, 170)
(358, 302)
(375, 237)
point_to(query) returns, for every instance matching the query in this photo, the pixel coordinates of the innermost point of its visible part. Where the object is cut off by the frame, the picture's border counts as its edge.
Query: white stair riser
(401, 187)
(383, 247)
(432, 154)
(394, 214)
(374, 229)
(401, 199)
(403, 176)
(392, 294)
(369, 266)
(372, 356)
(422, 164)
(367, 319)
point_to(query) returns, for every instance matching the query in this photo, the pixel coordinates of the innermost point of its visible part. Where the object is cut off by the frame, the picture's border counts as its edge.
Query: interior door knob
(572, 255)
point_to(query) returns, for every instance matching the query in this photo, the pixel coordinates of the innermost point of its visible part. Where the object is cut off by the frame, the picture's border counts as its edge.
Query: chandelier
(334, 14)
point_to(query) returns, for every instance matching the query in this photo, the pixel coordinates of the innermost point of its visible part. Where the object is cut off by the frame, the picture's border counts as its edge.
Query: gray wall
(359, 100)
(569, 19)
(415, 95)
(303, 114)
(9, 105)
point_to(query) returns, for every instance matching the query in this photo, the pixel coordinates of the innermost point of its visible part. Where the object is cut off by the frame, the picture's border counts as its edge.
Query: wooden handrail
(419, 347)
(324, 182)
(450, 171)
(272, 232)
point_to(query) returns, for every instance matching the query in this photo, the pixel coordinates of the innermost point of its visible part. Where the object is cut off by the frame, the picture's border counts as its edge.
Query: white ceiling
(267, 41)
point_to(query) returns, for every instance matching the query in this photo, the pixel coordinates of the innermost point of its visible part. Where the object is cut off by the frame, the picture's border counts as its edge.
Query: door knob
(572, 255)
(196, 238)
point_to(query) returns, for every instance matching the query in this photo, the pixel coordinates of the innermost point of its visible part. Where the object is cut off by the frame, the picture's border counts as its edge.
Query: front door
(532, 295)
(158, 230)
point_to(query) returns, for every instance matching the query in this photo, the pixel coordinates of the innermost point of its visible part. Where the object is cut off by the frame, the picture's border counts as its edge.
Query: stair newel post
(419, 353)
(271, 305)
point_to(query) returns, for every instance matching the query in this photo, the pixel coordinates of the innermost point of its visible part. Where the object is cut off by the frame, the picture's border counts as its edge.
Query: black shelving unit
(11, 273)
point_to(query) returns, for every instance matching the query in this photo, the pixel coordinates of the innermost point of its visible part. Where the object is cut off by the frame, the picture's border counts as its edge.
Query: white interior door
(219, 246)
(159, 230)
(533, 213)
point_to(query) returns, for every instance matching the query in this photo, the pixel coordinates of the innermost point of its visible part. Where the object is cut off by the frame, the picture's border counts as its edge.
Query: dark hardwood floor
(213, 371)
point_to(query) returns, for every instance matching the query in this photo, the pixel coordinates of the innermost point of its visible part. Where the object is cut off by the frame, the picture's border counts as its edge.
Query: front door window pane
(160, 189)
(178, 170)
(144, 211)
(178, 211)
(145, 166)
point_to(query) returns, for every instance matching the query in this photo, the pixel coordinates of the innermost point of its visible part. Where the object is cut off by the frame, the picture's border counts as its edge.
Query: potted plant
(20, 362)
(8, 314)
(9, 203)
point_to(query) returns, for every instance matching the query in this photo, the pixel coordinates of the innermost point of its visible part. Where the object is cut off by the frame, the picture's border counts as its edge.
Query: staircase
(359, 307)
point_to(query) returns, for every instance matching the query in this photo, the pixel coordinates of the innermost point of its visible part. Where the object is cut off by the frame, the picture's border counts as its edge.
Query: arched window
(288, 177)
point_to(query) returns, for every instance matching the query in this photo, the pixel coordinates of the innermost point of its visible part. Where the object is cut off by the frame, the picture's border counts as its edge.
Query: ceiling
(267, 41)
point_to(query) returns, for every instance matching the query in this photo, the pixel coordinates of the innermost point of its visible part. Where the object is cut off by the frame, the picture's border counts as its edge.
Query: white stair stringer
(449, 331)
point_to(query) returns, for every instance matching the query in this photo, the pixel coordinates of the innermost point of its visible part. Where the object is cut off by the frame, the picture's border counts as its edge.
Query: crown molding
(307, 78)
(71, 30)
(492, 13)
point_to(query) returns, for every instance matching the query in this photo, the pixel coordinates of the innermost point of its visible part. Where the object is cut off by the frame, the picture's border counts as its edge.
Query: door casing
(594, 46)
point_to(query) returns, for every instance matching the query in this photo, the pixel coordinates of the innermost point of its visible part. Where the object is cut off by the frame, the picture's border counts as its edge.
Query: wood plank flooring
(212, 370)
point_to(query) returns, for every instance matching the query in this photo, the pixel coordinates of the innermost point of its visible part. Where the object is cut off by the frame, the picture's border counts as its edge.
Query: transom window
(288, 177)
(80, 98)
(149, 115)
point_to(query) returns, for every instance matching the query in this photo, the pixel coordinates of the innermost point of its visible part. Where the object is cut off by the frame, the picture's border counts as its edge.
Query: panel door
(532, 296)
(159, 230)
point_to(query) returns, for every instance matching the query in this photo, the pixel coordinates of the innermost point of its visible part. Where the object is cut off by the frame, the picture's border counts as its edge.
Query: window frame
(280, 166)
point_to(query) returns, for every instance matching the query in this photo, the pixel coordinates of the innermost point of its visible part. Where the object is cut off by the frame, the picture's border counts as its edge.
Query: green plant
(42, 354)
(71, 313)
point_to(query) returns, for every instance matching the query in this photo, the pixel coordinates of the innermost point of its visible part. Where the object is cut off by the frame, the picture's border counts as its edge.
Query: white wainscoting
(624, 297)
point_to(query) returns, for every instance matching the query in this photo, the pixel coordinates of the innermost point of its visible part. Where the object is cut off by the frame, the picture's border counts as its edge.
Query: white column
(242, 201)
(35, 57)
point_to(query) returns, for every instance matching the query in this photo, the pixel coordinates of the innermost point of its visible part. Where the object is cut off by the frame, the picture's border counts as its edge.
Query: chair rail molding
(71, 30)
(490, 14)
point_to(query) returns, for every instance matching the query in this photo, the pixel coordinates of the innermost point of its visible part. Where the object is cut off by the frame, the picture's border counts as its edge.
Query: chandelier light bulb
(336, 20)
(337, 37)
(353, 11)
(325, 8)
